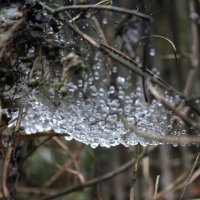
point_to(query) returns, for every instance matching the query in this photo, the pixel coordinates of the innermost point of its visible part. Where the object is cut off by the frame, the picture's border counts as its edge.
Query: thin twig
(178, 184)
(24, 137)
(156, 187)
(172, 186)
(105, 2)
(72, 171)
(35, 190)
(1, 111)
(28, 137)
(135, 171)
(60, 143)
(189, 176)
(102, 7)
(19, 119)
(6, 192)
(8, 35)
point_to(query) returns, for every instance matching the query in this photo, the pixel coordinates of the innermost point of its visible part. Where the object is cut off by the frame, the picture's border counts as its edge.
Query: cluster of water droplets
(92, 110)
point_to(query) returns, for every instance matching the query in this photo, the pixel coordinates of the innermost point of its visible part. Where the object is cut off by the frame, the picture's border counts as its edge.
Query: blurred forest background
(54, 168)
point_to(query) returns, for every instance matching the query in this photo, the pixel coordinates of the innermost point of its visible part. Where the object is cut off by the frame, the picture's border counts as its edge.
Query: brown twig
(1, 111)
(8, 35)
(24, 137)
(35, 190)
(156, 187)
(60, 144)
(103, 2)
(6, 193)
(19, 119)
(72, 171)
(178, 184)
(170, 188)
(27, 137)
(102, 7)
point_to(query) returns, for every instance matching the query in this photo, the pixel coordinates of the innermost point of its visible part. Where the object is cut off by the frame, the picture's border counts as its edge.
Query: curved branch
(103, 7)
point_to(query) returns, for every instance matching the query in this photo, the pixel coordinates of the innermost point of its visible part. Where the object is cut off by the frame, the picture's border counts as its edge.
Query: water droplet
(80, 83)
(96, 75)
(114, 69)
(70, 87)
(121, 94)
(120, 81)
(111, 89)
(180, 123)
(68, 138)
(104, 21)
(94, 145)
(152, 52)
(93, 91)
(169, 127)
(101, 92)
(114, 105)
(183, 132)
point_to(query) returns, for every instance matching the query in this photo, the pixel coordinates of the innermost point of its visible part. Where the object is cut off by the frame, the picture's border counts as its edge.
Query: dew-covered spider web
(83, 93)
(92, 108)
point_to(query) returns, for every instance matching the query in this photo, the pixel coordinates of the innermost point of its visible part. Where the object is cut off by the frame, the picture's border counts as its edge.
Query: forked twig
(94, 181)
